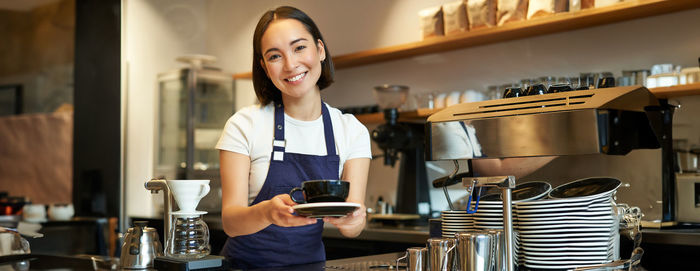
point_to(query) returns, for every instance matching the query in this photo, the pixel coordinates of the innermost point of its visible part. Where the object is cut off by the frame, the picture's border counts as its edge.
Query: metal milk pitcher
(475, 251)
(440, 254)
(416, 259)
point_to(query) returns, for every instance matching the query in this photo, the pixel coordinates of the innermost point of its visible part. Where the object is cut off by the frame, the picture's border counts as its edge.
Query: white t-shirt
(250, 132)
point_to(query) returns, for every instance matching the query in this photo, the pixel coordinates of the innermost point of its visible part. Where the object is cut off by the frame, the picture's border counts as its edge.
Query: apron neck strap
(328, 130)
(279, 142)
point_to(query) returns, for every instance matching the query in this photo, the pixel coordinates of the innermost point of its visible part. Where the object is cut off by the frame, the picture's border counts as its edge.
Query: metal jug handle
(135, 246)
(449, 250)
(405, 256)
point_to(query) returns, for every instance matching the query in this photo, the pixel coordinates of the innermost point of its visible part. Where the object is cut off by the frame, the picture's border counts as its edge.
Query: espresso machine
(611, 121)
(407, 140)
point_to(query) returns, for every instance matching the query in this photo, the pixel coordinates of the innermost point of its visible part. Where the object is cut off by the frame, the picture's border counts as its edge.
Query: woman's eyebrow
(291, 43)
(297, 40)
(270, 50)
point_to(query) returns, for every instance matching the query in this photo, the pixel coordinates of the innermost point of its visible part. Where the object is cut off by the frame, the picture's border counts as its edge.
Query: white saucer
(189, 214)
(566, 235)
(567, 249)
(567, 228)
(321, 209)
(571, 201)
(602, 253)
(564, 208)
(605, 221)
(35, 220)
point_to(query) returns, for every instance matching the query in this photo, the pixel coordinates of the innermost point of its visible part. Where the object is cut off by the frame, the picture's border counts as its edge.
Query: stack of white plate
(576, 227)
(456, 221)
(489, 215)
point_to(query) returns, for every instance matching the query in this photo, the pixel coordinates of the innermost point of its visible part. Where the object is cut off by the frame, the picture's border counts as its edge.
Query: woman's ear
(321, 50)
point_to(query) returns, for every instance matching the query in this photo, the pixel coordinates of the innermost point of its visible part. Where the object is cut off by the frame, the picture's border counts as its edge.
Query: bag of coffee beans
(431, 22)
(511, 10)
(481, 13)
(455, 17)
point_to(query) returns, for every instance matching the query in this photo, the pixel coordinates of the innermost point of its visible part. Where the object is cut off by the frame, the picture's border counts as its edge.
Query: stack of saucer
(489, 215)
(575, 227)
(455, 221)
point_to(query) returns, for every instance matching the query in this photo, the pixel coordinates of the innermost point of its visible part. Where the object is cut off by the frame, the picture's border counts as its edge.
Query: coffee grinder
(406, 139)
(186, 234)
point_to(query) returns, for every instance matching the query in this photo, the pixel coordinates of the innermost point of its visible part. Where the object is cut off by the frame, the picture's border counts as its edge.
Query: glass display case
(192, 108)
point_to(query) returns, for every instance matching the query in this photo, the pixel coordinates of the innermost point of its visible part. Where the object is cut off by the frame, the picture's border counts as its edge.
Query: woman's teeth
(295, 78)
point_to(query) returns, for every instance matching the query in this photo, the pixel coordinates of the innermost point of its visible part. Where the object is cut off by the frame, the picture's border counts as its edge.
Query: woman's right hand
(279, 211)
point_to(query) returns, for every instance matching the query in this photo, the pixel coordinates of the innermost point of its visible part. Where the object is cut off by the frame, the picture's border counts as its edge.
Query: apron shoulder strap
(328, 130)
(278, 143)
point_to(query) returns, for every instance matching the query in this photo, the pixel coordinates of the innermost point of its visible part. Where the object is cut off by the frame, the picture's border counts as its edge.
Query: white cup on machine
(34, 213)
(61, 212)
(188, 193)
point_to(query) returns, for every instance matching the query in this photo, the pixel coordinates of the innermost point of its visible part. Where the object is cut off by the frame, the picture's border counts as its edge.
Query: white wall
(351, 26)
(156, 32)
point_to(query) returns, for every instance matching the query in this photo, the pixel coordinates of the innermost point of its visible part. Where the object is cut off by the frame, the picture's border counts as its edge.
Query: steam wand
(444, 186)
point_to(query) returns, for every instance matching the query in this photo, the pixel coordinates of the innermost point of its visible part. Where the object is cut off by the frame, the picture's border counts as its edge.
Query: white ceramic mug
(11, 243)
(34, 213)
(188, 193)
(61, 212)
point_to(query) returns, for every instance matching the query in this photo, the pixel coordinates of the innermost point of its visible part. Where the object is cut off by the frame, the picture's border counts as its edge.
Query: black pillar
(97, 132)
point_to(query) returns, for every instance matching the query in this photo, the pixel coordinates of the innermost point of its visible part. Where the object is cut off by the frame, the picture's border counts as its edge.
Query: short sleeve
(236, 136)
(358, 140)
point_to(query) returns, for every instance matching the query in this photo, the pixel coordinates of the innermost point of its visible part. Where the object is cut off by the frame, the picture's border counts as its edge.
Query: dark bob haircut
(265, 90)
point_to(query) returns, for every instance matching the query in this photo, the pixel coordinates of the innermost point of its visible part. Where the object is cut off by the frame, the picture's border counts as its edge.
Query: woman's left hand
(350, 225)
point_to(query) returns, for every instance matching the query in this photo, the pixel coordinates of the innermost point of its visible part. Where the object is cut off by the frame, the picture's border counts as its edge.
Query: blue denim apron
(277, 246)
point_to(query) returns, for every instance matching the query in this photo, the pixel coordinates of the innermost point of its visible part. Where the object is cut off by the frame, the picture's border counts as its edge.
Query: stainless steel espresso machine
(610, 121)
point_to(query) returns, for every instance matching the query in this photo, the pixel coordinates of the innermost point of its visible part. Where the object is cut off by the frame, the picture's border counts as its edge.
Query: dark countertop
(372, 232)
(673, 236)
(373, 262)
(48, 262)
(405, 234)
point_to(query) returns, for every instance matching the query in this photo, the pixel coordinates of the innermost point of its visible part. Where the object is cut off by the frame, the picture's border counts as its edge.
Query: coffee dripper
(189, 236)
(186, 233)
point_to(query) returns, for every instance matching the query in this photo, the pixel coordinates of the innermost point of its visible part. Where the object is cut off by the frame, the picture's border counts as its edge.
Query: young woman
(290, 137)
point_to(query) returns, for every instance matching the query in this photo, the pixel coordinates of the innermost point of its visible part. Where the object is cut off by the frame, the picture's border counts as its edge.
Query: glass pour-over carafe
(189, 237)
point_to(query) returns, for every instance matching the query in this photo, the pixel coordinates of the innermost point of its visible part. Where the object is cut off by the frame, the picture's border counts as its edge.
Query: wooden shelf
(559, 22)
(421, 115)
(676, 91)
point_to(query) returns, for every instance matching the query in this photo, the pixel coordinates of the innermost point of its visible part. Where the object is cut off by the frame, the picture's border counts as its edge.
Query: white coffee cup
(34, 213)
(188, 193)
(61, 212)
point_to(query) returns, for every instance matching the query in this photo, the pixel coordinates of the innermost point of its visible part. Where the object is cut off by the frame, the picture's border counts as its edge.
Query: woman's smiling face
(291, 57)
